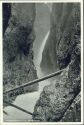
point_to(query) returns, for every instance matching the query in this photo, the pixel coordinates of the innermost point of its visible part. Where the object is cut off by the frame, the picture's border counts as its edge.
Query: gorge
(40, 39)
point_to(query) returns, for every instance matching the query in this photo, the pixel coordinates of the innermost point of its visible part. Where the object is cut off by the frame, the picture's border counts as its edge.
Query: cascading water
(28, 100)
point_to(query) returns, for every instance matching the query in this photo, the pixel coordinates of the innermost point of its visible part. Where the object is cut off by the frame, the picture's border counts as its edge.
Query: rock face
(60, 101)
(18, 67)
(6, 15)
(74, 112)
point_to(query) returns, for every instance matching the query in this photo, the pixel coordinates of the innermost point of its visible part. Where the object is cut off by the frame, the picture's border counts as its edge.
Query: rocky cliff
(60, 101)
(6, 15)
(18, 67)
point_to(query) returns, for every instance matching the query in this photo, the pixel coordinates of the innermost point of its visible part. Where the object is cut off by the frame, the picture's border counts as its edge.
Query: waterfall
(37, 60)
(28, 100)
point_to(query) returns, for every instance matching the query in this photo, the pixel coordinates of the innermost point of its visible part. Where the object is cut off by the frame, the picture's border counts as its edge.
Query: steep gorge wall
(60, 101)
(18, 67)
(6, 15)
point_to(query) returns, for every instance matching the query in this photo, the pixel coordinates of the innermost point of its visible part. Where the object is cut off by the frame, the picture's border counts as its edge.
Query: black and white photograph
(42, 73)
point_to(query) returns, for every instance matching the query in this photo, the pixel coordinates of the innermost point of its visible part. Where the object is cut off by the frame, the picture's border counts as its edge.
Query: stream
(28, 100)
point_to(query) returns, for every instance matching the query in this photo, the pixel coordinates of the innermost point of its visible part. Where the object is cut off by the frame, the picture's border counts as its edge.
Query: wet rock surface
(18, 67)
(60, 101)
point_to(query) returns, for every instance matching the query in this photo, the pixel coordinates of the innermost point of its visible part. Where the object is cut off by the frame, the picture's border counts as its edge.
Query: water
(28, 101)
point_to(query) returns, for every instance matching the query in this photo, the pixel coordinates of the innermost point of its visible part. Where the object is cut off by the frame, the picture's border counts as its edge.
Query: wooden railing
(19, 90)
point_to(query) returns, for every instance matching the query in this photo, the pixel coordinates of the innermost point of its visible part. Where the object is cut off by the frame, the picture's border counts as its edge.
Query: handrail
(5, 112)
(28, 84)
(33, 82)
(17, 107)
